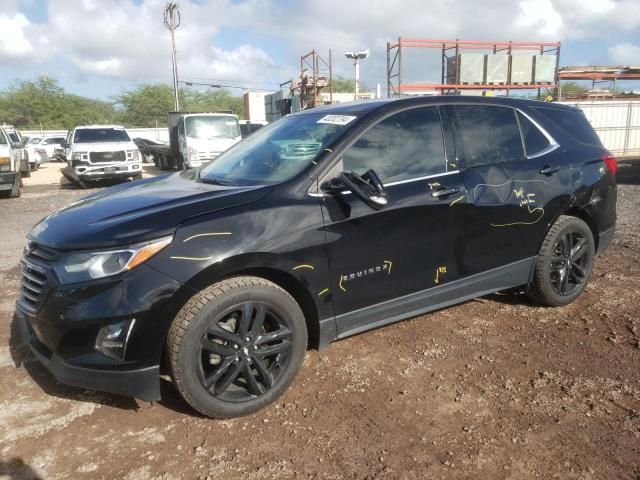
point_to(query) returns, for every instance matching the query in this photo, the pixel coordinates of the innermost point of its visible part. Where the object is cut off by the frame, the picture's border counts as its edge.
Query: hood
(137, 211)
(103, 146)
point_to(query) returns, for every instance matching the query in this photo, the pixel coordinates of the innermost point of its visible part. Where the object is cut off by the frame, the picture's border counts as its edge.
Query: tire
(244, 372)
(26, 173)
(15, 189)
(163, 163)
(564, 263)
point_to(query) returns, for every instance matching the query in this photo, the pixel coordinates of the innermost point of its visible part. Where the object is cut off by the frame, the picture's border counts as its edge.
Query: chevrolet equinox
(324, 224)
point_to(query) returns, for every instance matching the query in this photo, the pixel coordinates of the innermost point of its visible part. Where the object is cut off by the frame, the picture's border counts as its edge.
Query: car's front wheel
(236, 346)
(564, 263)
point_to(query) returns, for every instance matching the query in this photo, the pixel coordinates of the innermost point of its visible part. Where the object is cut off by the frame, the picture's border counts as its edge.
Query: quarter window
(490, 134)
(534, 140)
(405, 145)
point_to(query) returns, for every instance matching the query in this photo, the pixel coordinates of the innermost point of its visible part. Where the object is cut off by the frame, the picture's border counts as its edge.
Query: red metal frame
(395, 86)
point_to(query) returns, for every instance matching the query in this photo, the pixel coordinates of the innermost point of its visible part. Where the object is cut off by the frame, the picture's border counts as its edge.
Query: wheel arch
(263, 266)
(582, 214)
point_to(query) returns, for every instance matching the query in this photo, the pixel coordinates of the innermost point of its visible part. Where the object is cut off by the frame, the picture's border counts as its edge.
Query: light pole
(356, 57)
(172, 21)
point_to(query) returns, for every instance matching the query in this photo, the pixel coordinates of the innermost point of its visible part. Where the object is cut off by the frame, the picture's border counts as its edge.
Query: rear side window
(573, 122)
(489, 134)
(534, 140)
(406, 145)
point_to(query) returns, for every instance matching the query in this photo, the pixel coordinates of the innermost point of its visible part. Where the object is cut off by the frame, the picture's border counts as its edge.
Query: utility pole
(172, 21)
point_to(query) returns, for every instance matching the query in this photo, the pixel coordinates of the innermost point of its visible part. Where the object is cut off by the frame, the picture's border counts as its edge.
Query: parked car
(10, 175)
(247, 127)
(146, 148)
(98, 152)
(19, 144)
(50, 144)
(324, 224)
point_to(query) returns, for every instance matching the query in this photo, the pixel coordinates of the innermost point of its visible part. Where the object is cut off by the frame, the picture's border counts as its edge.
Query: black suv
(321, 225)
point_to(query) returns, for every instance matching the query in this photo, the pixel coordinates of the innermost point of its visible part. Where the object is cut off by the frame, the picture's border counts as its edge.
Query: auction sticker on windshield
(337, 119)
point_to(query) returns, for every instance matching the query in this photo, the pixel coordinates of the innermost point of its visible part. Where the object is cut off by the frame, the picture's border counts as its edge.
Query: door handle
(444, 192)
(548, 169)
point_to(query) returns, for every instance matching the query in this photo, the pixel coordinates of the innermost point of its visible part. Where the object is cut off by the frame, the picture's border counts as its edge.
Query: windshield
(209, 126)
(93, 135)
(34, 140)
(278, 152)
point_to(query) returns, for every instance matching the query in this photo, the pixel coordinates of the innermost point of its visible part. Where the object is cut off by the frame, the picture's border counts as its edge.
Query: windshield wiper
(214, 180)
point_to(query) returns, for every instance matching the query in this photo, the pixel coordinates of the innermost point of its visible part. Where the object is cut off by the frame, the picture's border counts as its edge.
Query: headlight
(5, 167)
(79, 156)
(192, 154)
(133, 155)
(81, 267)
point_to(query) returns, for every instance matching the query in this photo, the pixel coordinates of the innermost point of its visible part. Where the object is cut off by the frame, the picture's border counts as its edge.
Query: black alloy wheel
(569, 263)
(236, 346)
(244, 352)
(564, 263)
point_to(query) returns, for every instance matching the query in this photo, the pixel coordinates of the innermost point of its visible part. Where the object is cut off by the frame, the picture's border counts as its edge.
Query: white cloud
(625, 54)
(127, 41)
(14, 42)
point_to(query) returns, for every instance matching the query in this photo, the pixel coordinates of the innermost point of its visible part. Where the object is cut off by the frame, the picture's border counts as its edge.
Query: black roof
(367, 106)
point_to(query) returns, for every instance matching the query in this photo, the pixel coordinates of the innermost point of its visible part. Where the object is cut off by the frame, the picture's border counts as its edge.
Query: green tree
(43, 101)
(341, 84)
(148, 103)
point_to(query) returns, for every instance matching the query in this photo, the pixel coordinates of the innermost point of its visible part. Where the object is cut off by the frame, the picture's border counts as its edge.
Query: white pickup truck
(97, 152)
(10, 156)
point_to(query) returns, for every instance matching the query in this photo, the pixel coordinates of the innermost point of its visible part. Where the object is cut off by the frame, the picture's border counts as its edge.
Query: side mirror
(367, 188)
(334, 186)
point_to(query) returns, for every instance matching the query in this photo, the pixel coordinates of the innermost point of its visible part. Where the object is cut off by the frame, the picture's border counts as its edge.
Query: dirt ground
(496, 388)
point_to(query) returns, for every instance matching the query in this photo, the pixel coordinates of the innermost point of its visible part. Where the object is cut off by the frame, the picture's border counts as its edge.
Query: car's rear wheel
(564, 263)
(236, 346)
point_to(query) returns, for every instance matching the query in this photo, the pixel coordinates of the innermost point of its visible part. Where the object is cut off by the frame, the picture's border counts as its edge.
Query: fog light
(112, 339)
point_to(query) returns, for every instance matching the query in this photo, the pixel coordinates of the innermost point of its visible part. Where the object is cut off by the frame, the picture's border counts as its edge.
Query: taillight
(611, 162)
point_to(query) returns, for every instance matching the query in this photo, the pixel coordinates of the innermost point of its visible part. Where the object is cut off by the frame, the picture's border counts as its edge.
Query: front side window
(278, 152)
(489, 134)
(3, 139)
(96, 135)
(406, 145)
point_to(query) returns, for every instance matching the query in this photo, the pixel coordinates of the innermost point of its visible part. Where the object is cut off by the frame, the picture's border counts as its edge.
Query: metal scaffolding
(451, 49)
(316, 75)
(599, 75)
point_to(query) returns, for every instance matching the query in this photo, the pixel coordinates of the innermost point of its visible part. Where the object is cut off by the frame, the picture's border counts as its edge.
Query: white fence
(155, 134)
(617, 124)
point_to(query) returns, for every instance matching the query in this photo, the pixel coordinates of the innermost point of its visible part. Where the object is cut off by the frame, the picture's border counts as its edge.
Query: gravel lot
(495, 388)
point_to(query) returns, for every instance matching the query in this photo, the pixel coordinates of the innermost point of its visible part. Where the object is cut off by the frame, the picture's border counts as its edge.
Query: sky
(98, 48)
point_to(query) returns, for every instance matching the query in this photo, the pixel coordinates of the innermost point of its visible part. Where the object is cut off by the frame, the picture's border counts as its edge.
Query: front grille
(108, 157)
(34, 283)
(35, 267)
(208, 155)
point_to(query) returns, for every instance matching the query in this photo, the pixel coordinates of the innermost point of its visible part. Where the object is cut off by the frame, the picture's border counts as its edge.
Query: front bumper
(142, 383)
(62, 326)
(87, 171)
(7, 180)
